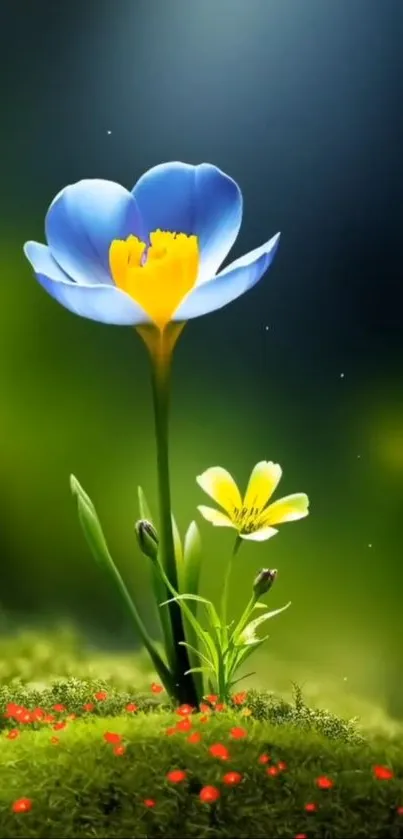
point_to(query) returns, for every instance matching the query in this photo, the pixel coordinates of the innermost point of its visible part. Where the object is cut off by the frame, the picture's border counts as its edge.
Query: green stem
(161, 370)
(225, 591)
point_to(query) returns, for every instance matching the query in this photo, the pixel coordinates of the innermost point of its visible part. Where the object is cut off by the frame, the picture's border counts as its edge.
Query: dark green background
(301, 102)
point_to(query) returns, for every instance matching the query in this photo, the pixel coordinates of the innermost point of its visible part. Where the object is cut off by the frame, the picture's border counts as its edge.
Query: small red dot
(311, 807)
(237, 733)
(324, 782)
(101, 695)
(195, 737)
(264, 758)
(149, 802)
(13, 734)
(232, 778)
(209, 794)
(133, 708)
(119, 750)
(156, 688)
(111, 737)
(176, 776)
(22, 805)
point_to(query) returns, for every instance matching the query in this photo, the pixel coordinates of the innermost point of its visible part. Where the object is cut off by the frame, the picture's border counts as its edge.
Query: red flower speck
(58, 726)
(59, 707)
(22, 805)
(264, 758)
(311, 807)
(89, 706)
(209, 794)
(195, 737)
(184, 725)
(101, 695)
(301, 836)
(13, 734)
(212, 698)
(111, 737)
(399, 811)
(232, 778)
(176, 776)
(149, 802)
(49, 718)
(324, 782)
(220, 751)
(204, 708)
(237, 733)
(119, 751)
(383, 773)
(171, 730)
(133, 708)
(205, 718)
(55, 741)
(272, 771)
(281, 766)
(220, 706)
(25, 717)
(12, 709)
(185, 710)
(37, 714)
(240, 698)
(156, 688)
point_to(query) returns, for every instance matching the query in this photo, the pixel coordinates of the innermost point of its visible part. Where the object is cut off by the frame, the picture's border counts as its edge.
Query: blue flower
(150, 255)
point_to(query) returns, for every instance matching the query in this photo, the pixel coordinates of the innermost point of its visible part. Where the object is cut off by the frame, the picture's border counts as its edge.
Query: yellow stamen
(166, 276)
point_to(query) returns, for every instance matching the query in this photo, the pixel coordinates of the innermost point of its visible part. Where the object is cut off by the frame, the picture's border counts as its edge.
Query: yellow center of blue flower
(159, 277)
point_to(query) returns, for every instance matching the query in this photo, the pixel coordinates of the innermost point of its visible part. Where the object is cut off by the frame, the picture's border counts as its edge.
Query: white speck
(109, 132)
(358, 455)
(266, 328)
(345, 679)
(342, 375)
(370, 546)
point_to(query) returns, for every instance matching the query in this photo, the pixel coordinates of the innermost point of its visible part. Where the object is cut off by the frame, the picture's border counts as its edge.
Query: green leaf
(202, 635)
(177, 543)
(248, 636)
(159, 588)
(198, 653)
(189, 576)
(198, 670)
(96, 540)
(192, 560)
(145, 512)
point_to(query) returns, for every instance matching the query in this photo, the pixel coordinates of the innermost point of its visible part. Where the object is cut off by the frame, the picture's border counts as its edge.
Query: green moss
(79, 787)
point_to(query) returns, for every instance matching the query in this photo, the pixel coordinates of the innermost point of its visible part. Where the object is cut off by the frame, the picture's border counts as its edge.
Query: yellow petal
(215, 517)
(219, 484)
(260, 535)
(290, 508)
(262, 483)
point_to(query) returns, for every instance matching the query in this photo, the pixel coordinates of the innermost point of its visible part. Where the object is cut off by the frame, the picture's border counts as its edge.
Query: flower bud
(147, 538)
(264, 581)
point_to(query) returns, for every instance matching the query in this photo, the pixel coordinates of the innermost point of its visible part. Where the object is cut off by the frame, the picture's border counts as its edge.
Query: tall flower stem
(160, 345)
(225, 591)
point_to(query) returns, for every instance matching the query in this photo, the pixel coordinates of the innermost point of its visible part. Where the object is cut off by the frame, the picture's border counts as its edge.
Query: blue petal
(81, 223)
(104, 303)
(193, 199)
(237, 278)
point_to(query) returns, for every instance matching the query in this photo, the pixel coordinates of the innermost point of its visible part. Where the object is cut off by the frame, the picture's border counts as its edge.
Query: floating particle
(267, 328)
(370, 545)
(342, 375)
(109, 132)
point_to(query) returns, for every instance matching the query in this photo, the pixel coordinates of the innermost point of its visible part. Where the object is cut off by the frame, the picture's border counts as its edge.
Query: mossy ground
(79, 787)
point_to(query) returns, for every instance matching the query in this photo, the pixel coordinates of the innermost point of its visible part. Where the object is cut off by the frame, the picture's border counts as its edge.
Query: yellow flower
(250, 516)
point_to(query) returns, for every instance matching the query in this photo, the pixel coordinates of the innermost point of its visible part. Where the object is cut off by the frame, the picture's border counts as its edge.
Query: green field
(76, 785)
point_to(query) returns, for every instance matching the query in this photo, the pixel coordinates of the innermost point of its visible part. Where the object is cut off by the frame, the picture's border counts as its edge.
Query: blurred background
(302, 104)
